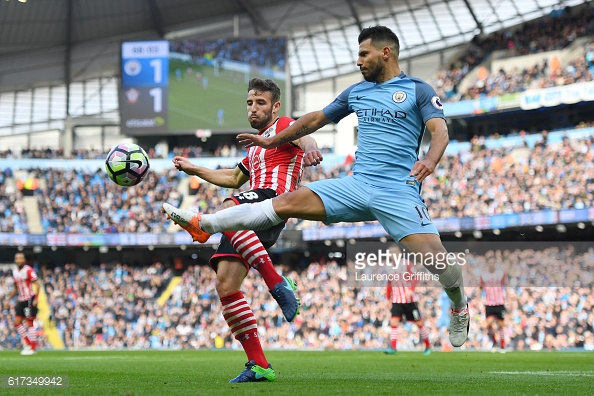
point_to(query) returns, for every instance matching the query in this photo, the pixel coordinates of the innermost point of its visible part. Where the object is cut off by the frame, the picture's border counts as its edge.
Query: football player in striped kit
(27, 285)
(270, 173)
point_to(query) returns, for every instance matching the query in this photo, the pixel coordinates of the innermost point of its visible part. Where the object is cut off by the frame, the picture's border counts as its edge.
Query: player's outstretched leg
(188, 220)
(248, 245)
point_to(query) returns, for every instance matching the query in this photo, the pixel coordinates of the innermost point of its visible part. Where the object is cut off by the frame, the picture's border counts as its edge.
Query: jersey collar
(261, 131)
(400, 76)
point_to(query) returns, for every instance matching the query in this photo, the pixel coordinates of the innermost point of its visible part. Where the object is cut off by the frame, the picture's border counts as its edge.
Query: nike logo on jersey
(360, 97)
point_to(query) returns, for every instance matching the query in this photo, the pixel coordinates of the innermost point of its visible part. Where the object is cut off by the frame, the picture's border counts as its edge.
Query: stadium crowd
(547, 34)
(540, 75)
(470, 183)
(221, 150)
(115, 307)
(269, 52)
(12, 212)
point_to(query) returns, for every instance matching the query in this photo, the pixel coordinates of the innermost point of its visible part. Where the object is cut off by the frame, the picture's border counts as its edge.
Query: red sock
(32, 334)
(425, 335)
(394, 337)
(23, 334)
(253, 252)
(242, 322)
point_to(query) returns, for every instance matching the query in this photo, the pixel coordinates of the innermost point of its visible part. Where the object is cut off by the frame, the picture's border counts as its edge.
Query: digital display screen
(185, 86)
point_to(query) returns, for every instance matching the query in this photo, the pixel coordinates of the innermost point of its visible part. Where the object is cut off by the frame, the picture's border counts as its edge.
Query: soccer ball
(127, 164)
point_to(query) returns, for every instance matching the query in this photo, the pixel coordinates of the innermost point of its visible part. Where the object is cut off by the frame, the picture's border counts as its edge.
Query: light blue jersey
(392, 117)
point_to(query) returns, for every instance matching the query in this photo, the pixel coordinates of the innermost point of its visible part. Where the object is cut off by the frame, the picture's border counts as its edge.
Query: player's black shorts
(495, 310)
(408, 311)
(268, 237)
(25, 309)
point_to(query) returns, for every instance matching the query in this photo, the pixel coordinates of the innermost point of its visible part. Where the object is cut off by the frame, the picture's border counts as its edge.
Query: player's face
(370, 61)
(19, 259)
(261, 111)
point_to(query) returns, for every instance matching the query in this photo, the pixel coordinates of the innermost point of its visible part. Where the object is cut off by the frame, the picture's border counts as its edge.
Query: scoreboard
(181, 87)
(144, 87)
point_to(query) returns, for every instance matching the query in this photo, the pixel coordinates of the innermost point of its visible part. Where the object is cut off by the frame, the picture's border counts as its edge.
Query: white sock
(453, 284)
(256, 216)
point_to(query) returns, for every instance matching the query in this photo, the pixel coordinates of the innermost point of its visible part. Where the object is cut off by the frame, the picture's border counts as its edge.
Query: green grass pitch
(306, 373)
(192, 107)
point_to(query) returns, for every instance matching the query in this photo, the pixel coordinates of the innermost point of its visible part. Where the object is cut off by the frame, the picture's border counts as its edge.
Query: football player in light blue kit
(394, 110)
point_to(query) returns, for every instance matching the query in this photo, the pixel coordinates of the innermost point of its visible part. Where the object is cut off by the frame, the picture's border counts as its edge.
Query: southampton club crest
(399, 97)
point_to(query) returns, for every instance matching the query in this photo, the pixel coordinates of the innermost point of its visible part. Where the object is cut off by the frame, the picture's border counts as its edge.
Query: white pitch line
(553, 373)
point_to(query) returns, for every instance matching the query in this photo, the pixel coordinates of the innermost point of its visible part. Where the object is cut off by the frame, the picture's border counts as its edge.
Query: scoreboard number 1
(158, 66)
(157, 94)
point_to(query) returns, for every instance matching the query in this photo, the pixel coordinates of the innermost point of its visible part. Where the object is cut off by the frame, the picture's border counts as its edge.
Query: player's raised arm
(305, 125)
(231, 178)
(439, 141)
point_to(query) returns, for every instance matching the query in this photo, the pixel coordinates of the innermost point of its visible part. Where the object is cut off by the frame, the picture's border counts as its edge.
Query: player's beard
(259, 124)
(373, 71)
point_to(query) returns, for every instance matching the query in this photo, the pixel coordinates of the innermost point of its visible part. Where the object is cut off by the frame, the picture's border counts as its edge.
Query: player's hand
(312, 157)
(34, 302)
(422, 169)
(251, 140)
(181, 163)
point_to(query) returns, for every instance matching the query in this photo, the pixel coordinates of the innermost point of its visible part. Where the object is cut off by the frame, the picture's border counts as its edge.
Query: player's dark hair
(260, 85)
(380, 36)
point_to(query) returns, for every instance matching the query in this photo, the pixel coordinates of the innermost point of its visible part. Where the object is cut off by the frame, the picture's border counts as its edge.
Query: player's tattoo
(300, 132)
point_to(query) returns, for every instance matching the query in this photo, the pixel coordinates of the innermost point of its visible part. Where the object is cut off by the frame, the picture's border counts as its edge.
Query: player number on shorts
(423, 214)
(249, 195)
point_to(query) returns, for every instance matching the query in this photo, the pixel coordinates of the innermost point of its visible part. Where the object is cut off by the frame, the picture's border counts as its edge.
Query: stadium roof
(322, 33)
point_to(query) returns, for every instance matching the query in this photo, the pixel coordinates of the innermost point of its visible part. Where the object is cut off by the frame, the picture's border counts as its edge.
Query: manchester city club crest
(399, 96)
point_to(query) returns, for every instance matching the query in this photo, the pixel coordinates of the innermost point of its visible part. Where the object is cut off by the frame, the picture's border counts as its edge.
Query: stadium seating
(114, 308)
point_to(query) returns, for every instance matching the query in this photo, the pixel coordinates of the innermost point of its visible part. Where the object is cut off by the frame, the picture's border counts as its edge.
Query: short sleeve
(428, 101)
(32, 275)
(244, 166)
(339, 108)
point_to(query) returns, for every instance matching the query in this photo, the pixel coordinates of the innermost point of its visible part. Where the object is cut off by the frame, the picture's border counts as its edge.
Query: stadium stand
(543, 35)
(497, 175)
(115, 307)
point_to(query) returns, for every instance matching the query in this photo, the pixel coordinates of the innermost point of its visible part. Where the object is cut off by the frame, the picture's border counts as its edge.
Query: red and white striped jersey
(23, 278)
(402, 290)
(492, 283)
(279, 168)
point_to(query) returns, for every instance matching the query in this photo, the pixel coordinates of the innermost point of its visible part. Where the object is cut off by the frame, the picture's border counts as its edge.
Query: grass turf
(306, 373)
